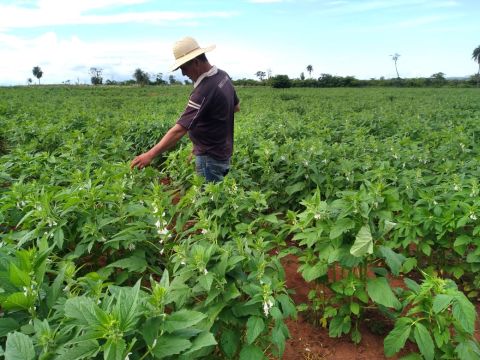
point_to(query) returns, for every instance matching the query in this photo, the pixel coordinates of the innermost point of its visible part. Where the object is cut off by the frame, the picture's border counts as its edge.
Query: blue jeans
(211, 169)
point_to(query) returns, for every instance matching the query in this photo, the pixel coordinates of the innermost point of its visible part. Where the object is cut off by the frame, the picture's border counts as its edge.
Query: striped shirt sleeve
(194, 108)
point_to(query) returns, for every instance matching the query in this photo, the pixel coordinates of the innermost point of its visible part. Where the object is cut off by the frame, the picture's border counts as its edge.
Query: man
(208, 117)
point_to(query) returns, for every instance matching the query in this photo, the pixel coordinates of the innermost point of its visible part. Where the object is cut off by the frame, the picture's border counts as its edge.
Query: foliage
(141, 77)
(438, 318)
(280, 82)
(37, 72)
(94, 258)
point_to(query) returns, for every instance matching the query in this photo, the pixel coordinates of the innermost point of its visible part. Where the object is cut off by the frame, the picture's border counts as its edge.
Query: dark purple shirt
(208, 116)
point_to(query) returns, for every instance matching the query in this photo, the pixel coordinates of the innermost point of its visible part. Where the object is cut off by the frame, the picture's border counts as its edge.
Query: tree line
(140, 77)
(143, 78)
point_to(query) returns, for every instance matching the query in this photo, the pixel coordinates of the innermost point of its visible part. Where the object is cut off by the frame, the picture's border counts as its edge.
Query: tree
(302, 76)
(395, 59)
(310, 69)
(281, 82)
(260, 75)
(476, 57)
(37, 72)
(438, 78)
(29, 81)
(159, 79)
(141, 77)
(96, 76)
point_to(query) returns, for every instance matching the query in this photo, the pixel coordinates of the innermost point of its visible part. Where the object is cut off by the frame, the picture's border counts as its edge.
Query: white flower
(305, 163)
(154, 343)
(455, 187)
(161, 251)
(473, 216)
(131, 247)
(282, 158)
(267, 305)
(158, 224)
(182, 262)
(163, 231)
(205, 271)
(317, 216)
(204, 231)
(155, 209)
(128, 355)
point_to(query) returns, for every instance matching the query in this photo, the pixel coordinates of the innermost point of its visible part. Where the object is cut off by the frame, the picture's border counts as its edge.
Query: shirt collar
(210, 72)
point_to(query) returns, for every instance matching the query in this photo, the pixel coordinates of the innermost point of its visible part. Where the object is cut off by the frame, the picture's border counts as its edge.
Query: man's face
(188, 69)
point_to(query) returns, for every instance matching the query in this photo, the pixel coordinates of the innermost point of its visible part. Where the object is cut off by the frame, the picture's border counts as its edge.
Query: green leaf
(8, 325)
(356, 336)
(464, 312)
(251, 352)
(341, 226)
(82, 309)
(133, 263)
(441, 302)
(336, 326)
(229, 342)
(18, 277)
(114, 349)
(182, 319)
(354, 308)
(19, 347)
(17, 301)
(203, 340)
(127, 305)
(409, 264)
(424, 341)
(150, 329)
(311, 273)
(468, 350)
(381, 293)
(206, 281)
(170, 345)
(395, 340)
(84, 350)
(255, 326)
(412, 285)
(292, 189)
(278, 338)
(363, 242)
(394, 260)
(288, 306)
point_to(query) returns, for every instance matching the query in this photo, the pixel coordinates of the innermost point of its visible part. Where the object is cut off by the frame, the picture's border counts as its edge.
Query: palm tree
(395, 58)
(37, 72)
(476, 57)
(310, 69)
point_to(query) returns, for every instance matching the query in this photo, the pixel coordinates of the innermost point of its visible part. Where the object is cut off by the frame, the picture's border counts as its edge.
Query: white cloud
(59, 12)
(70, 58)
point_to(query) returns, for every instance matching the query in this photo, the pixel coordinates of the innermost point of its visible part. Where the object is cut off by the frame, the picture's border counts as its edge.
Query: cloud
(373, 5)
(63, 59)
(59, 12)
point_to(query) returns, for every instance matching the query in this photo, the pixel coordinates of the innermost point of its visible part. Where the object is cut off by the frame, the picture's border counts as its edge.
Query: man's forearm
(168, 141)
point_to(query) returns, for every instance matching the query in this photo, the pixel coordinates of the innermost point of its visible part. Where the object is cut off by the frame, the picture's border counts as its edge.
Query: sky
(339, 37)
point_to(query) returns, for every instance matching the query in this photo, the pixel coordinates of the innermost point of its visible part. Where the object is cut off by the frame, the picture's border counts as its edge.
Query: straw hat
(185, 50)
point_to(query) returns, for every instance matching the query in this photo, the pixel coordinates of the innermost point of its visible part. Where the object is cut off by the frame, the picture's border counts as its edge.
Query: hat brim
(191, 55)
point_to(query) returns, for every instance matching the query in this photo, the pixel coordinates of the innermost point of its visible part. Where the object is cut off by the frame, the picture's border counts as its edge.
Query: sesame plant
(364, 186)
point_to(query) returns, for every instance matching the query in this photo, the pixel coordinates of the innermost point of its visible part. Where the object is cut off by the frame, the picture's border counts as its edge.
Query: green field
(97, 261)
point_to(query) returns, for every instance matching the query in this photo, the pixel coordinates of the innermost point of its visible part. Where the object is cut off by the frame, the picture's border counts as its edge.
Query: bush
(281, 82)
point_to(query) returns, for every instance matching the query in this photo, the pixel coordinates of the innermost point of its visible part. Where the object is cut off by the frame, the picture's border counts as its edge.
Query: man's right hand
(141, 161)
